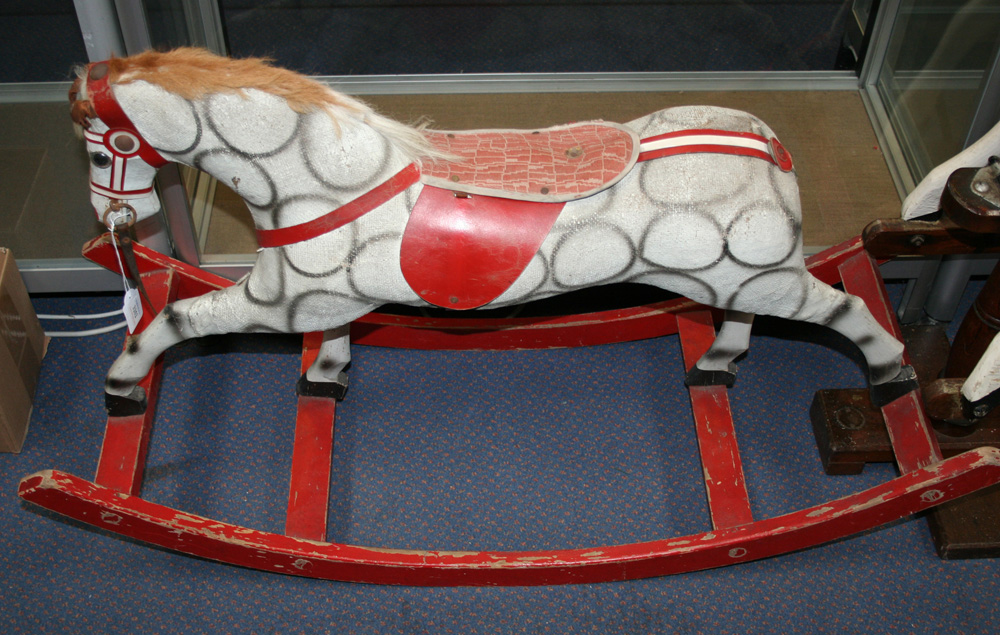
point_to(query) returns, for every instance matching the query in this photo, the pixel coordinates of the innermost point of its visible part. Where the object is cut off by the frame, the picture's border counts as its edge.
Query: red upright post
(309, 489)
(722, 467)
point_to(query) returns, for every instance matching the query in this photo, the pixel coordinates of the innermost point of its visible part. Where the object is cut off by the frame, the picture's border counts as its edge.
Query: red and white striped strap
(716, 142)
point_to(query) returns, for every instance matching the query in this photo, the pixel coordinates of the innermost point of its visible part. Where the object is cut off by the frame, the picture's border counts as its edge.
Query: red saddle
(554, 165)
(483, 215)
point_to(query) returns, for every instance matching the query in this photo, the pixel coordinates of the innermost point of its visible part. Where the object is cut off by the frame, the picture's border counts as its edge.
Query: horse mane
(194, 73)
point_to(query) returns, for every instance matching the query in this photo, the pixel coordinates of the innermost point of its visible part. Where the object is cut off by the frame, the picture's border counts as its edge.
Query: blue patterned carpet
(516, 450)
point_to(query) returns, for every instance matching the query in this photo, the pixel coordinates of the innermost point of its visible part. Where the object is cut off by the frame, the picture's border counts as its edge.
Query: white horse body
(722, 230)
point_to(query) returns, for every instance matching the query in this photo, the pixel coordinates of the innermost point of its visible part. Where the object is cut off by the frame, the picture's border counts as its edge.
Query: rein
(342, 215)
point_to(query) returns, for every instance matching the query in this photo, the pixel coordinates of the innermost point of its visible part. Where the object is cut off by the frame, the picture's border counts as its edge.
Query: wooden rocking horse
(354, 211)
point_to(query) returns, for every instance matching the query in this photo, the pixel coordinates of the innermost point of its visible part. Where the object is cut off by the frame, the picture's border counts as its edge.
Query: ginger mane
(194, 73)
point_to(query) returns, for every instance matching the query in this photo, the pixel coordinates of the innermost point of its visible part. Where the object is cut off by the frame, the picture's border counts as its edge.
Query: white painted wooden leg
(716, 366)
(326, 376)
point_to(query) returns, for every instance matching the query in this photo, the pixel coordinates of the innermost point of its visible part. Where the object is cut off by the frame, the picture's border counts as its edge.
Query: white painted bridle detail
(120, 165)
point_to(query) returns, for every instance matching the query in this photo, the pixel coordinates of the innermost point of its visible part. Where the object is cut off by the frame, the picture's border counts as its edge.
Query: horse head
(122, 162)
(231, 118)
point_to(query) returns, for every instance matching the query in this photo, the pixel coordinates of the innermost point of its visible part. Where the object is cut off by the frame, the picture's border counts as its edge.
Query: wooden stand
(850, 432)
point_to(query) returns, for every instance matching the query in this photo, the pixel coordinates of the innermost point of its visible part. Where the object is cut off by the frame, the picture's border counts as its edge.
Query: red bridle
(122, 140)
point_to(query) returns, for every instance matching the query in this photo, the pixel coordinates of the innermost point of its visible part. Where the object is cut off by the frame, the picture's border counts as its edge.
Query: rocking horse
(354, 211)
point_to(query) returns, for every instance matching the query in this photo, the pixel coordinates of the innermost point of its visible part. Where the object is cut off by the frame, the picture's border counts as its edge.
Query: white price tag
(132, 309)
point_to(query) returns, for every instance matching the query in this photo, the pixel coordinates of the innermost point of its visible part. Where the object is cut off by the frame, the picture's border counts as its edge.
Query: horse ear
(82, 111)
(167, 121)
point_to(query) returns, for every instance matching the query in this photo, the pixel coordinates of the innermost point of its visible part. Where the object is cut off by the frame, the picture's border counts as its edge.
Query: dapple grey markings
(684, 238)
(707, 190)
(784, 289)
(244, 176)
(358, 161)
(680, 283)
(720, 229)
(380, 285)
(267, 291)
(239, 119)
(579, 248)
(742, 236)
(182, 128)
(323, 256)
(309, 311)
(527, 284)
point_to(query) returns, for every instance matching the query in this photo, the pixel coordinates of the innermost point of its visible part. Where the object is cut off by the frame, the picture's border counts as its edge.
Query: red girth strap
(343, 214)
(110, 112)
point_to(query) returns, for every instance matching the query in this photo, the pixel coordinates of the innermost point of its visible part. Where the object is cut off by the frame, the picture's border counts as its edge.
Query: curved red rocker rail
(112, 500)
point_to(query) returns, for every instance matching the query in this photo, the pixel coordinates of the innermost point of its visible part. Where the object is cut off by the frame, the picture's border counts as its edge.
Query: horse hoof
(903, 383)
(699, 377)
(328, 389)
(976, 410)
(128, 405)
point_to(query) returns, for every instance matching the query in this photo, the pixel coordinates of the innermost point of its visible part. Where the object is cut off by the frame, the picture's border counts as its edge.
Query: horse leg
(326, 376)
(716, 367)
(849, 316)
(224, 311)
(171, 326)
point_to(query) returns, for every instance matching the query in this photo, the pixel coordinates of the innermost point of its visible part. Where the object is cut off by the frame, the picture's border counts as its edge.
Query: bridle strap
(342, 215)
(110, 112)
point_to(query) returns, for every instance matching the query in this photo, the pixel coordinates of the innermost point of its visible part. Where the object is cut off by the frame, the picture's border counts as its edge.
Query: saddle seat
(554, 165)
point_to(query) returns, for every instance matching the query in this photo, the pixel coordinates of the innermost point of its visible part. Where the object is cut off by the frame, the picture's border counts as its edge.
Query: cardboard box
(20, 355)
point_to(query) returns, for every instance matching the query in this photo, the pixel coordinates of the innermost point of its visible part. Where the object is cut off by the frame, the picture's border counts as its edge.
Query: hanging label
(132, 309)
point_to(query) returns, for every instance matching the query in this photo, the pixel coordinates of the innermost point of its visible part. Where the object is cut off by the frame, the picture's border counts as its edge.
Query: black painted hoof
(328, 389)
(903, 383)
(128, 405)
(699, 377)
(976, 410)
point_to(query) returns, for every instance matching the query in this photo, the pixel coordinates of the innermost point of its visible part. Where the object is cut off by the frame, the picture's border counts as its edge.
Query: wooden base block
(968, 527)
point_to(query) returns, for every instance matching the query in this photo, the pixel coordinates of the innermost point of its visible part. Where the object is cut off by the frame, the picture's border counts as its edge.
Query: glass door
(45, 212)
(934, 83)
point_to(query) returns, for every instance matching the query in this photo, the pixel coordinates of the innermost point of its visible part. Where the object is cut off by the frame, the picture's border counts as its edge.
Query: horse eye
(100, 160)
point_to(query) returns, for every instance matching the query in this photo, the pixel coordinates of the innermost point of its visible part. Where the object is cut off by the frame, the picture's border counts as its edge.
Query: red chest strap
(343, 214)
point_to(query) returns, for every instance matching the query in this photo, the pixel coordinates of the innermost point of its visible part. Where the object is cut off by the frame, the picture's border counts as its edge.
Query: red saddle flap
(461, 252)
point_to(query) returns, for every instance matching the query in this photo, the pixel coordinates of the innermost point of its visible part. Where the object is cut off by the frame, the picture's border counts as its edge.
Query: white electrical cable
(89, 316)
(99, 331)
